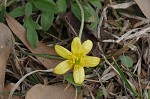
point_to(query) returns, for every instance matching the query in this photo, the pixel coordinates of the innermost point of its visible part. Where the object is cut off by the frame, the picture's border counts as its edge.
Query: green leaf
(32, 36)
(46, 56)
(70, 79)
(90, 14)
(17, 12)
(87, 69)
(126, 61)
(99, 94)
(35, 25)
(8, 92)
(148, 93)
(2, 14)
(94, 17)
(46, 20)
(92, 26)
(28, 9)
(61, 5)
(96, 3)
(123, 77)
(33, 78)
(76, 11)
(46, 6)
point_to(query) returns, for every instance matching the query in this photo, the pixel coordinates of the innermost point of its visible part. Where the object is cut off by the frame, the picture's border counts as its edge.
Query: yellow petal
(87, 46)
(63, 52)
(63, 67)
(78, 74)
(91, 61)
(76, 46)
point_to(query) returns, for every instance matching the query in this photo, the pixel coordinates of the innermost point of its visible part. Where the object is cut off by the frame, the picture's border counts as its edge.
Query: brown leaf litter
(6, 45)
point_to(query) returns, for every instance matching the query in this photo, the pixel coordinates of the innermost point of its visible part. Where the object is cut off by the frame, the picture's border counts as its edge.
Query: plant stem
(82, 21)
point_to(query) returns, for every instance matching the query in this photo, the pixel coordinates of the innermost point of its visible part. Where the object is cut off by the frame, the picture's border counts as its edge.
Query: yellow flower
(76, 59)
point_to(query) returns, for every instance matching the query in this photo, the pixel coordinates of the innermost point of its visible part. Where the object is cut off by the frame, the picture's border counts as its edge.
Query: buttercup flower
(76, 59)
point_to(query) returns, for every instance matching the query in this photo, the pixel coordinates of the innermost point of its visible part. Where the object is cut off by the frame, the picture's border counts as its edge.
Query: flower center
(78, 60)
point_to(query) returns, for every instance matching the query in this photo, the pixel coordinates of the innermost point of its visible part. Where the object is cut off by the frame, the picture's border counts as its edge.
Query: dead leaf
(6, 44)
(144, 5)
(20, 32)
(8, 89)
(51, 92)
(108, 76)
